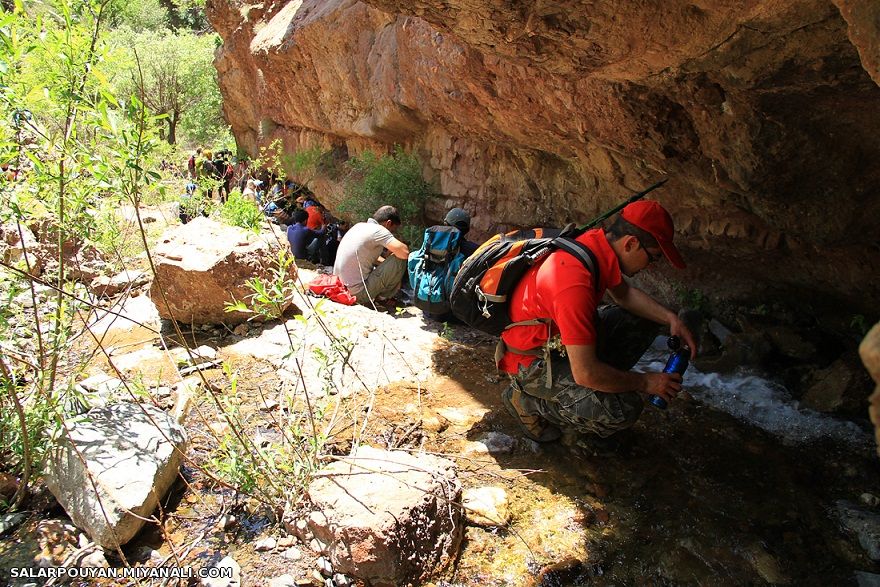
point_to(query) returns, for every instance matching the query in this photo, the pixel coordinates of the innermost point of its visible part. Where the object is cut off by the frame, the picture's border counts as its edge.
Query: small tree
(180, 84)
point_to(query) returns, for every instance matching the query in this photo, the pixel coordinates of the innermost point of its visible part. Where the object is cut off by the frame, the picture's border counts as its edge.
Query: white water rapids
(751, 398)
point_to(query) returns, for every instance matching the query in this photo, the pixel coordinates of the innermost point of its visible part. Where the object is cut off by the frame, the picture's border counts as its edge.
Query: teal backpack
(432, 269)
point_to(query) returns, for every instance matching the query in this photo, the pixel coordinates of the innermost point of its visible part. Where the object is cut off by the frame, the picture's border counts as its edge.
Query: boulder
(131, 453)
(105, 286)
(843, 385)
(203, 265)
(387, 518)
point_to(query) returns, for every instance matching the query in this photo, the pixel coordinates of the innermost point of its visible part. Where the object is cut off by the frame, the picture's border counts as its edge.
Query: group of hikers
(584, 394)
(589, 392)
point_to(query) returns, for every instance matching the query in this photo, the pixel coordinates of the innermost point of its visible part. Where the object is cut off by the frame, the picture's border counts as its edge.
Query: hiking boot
(532, 425)
(593, 445)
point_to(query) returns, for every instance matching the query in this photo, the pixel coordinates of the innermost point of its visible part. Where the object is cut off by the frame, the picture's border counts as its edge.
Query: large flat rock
(116, 464)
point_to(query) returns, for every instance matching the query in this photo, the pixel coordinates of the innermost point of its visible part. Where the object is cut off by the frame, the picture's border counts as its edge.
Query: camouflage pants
(622, 339)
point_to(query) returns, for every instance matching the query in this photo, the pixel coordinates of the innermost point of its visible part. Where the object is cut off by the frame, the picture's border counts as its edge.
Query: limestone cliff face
(765, 115)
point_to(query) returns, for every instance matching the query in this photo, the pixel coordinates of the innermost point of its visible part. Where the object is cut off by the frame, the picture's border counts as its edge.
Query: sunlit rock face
(763, 115)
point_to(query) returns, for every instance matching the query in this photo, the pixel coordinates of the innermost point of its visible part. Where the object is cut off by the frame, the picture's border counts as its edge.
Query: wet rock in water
(766, 565)
(864, 523)
(869, 499)
(130, 460)
(867, 579)
(203, 265)
(844, 384)
(741, 349)
(229, 575)
(561, 574)
(388, 518)
(791, 343)
(486, 506)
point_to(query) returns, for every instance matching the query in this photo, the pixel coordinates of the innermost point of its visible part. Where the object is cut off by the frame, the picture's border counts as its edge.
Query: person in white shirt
(369, 273)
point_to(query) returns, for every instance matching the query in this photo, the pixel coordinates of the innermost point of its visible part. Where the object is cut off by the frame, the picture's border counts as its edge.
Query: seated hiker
(299, 236)
(591, 391)
(461, 220)
(323, 249)
(359, 262)
(313, 209)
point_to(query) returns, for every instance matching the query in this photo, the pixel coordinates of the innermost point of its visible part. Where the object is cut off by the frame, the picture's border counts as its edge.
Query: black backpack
(479, 296)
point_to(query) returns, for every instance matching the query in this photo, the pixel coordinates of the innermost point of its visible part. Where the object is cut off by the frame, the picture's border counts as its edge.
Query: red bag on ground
(330, 286)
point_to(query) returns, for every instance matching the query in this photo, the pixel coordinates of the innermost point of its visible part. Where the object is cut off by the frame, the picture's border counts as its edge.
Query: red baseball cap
(651, 217)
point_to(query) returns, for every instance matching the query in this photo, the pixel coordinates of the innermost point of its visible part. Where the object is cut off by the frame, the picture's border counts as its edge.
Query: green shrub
(241, 211)
(394, 179)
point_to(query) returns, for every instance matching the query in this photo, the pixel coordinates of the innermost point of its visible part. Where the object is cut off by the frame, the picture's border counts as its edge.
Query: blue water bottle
(677, 363)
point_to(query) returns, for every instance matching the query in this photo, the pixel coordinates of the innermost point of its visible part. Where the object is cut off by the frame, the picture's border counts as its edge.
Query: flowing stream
(737, 486)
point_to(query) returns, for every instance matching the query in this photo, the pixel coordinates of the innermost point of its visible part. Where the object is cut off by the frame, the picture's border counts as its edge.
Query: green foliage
(83, 150)
(270, 298)
(181, 85)
(695, 299)
(241, 211)
(139, 15)
(395, 179)
(274, 159)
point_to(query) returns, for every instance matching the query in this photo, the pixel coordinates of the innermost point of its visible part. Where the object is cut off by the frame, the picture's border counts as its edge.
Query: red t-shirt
(559, 288)
(316, 218)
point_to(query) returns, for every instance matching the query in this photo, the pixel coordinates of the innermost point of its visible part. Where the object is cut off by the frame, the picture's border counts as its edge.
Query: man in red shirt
(592, 390)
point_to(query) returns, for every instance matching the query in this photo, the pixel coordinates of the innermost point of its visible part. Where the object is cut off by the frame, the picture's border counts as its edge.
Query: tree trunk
(172, 127)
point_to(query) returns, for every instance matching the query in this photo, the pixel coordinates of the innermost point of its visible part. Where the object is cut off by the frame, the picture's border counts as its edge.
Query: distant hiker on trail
(592, 391)
(192, 162)
(299, 236)
(223, 174)
(359, 262)
(206, 173)
(461, 220)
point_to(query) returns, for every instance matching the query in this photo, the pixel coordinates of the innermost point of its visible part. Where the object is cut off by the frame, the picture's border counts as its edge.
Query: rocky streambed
(736, 483)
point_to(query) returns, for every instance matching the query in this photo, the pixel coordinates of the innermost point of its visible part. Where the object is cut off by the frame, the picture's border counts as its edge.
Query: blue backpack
(432, 269)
